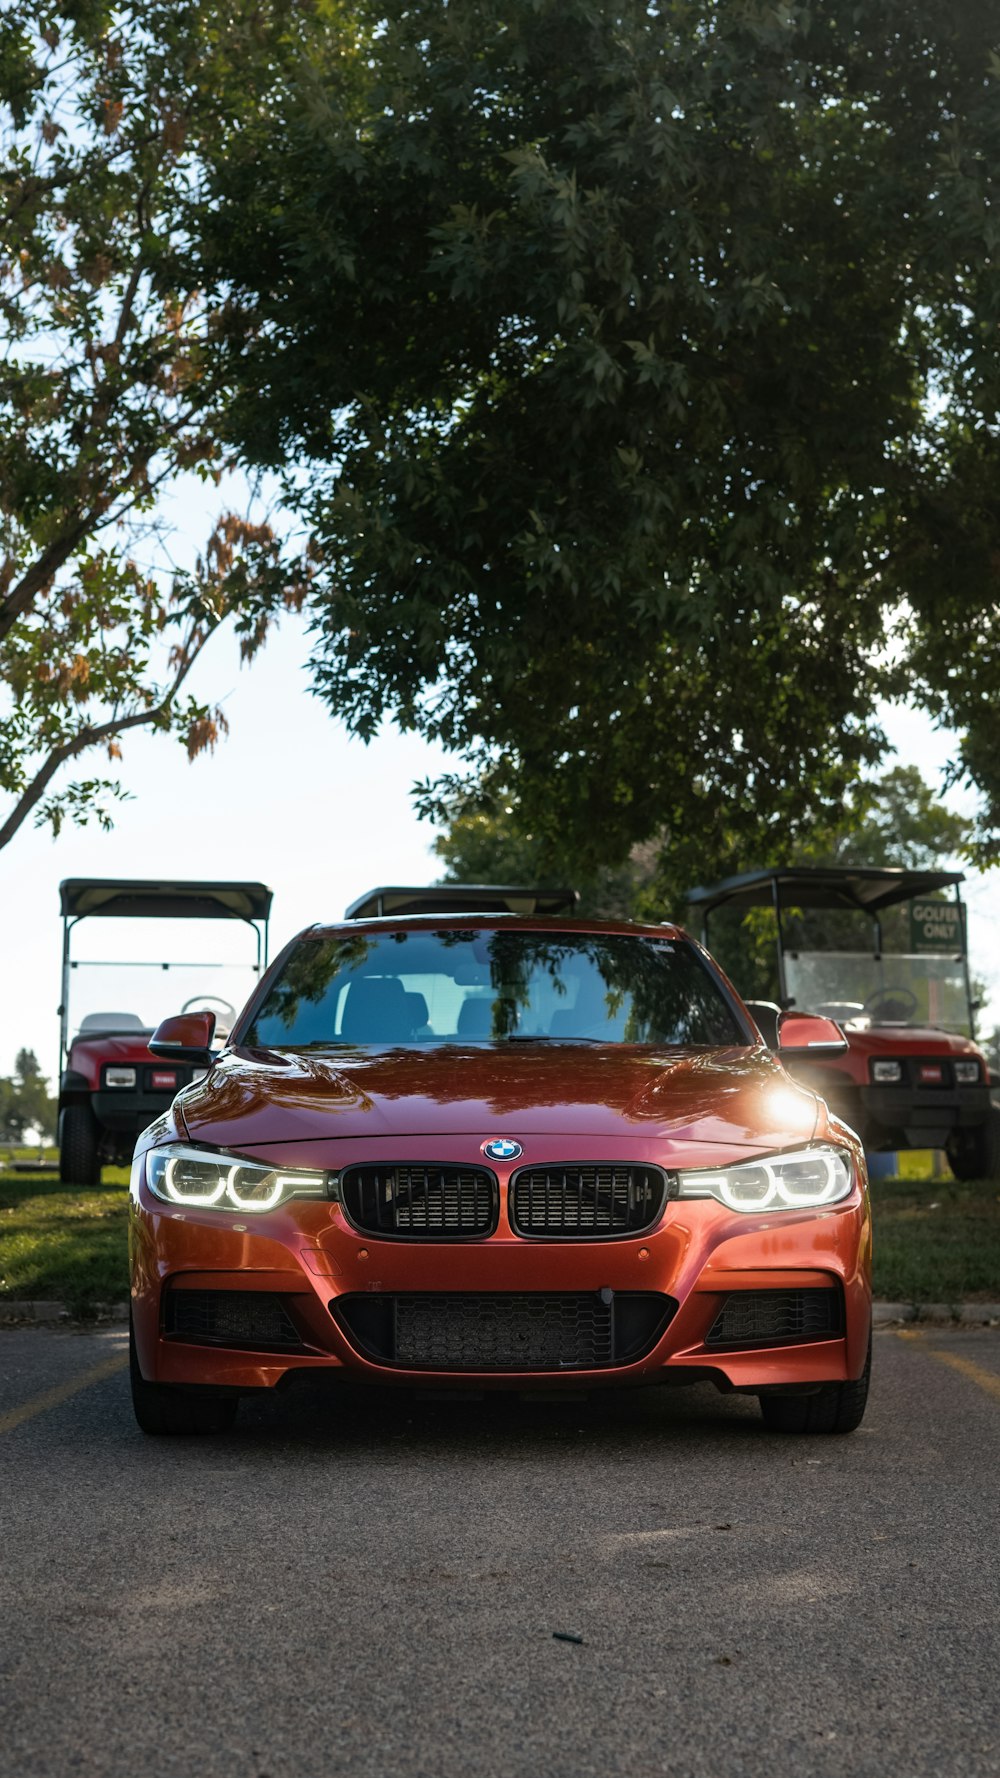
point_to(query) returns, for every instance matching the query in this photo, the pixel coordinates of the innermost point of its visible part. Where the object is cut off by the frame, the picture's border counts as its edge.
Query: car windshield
(490, 986)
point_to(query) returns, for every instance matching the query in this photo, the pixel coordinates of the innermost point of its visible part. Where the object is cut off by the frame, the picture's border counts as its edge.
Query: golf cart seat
(111, 1021)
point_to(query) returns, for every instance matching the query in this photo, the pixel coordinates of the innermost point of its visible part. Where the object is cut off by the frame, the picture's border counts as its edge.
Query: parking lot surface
(374, 1587)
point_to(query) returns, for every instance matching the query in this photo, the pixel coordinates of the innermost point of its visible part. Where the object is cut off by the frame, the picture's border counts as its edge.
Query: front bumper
(307, 1255)
(129, 1113)
(908, 1116)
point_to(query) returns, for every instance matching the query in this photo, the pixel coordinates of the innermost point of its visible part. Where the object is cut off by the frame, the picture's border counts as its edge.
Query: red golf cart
(110, 1084)
(881, 952)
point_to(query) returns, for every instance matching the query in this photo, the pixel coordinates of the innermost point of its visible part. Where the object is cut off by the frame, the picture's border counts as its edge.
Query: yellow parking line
(986, 1380)
(51, 1398)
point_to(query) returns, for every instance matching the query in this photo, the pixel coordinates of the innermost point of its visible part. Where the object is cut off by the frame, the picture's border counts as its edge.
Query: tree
(895, 819)
(25, 1101)
(107, 393)
(644, 354)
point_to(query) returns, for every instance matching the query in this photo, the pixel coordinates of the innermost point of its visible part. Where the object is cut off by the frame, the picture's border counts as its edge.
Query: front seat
(109, 1022)
(376, 1011)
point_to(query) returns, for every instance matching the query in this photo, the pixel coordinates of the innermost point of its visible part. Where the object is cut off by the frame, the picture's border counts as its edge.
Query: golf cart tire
(79, 1147)
(978, 1156)
(162, 1410)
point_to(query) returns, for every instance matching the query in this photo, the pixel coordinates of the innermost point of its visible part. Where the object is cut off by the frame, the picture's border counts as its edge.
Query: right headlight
(207, 1179)
(804, 1180)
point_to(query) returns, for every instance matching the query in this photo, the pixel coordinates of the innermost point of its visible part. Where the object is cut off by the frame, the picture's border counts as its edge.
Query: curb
(955, 1314)
(54, 1314)
(43, 1314)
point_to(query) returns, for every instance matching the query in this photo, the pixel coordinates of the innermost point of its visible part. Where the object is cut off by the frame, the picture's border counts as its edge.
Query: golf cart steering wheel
(210, 1003)
(901, 1000)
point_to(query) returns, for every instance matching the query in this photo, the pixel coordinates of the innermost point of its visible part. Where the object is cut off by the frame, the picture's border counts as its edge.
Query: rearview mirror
(186, 1038)
(808, 1034)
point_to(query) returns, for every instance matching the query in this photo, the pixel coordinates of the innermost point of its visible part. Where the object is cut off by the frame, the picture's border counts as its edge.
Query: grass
(935, 1242)
(60, 1245)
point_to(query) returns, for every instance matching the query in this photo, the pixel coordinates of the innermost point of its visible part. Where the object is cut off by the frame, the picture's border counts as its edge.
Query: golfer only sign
(937, 926)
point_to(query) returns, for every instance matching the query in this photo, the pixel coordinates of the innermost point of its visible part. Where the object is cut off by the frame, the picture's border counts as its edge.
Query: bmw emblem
(502, 1148)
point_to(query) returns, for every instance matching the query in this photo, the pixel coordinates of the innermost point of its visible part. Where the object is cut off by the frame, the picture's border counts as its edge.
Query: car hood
(735, 1096)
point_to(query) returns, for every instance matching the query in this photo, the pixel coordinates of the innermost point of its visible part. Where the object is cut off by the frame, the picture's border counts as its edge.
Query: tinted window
(492, 986)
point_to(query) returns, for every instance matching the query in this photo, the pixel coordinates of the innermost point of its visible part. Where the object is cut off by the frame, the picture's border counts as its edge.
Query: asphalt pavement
(374, 1587)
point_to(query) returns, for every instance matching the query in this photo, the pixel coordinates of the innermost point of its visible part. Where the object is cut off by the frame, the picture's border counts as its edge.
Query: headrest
(376, 1011)
(475, 1018)
(417, 1008)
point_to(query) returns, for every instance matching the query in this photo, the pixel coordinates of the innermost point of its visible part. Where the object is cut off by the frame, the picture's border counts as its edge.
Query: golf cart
(884, 955)
(110, 1084)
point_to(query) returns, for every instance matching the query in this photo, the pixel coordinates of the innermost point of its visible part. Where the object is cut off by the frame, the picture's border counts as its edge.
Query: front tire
(79, 1147)
(836, 1407)
(166, 1410)
(975, 1154)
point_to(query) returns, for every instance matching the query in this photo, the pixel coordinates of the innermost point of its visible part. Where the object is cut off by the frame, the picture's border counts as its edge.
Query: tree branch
(93, 736)
(36, 578)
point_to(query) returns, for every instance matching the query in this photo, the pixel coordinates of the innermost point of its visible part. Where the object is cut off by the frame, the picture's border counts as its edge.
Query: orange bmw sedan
(495, 1151)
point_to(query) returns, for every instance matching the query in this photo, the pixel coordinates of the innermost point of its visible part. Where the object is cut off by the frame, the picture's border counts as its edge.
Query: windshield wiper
(543, 1037)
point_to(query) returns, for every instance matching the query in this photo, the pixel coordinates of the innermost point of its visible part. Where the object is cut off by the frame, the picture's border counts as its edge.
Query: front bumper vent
(414, 1200)
(253, 1318)
(575, 1201)
(503, 1331)
(777, 1317)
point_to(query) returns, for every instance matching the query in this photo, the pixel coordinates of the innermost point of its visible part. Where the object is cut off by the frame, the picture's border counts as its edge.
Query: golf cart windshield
(862, 989)
(136, 950)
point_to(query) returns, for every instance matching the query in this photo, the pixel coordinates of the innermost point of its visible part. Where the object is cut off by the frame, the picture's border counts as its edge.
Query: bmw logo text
(502, 1148)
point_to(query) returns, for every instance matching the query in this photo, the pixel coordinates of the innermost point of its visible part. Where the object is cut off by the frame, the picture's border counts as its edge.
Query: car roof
(834, 886)
(475, 922)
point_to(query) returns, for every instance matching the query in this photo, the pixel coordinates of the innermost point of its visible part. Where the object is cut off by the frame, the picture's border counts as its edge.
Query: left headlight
(801, 1181)
(200, 1179)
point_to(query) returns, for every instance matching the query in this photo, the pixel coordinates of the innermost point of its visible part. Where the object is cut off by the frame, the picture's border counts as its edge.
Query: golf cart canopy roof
(838, 886)
(462, 898)
(125, 899)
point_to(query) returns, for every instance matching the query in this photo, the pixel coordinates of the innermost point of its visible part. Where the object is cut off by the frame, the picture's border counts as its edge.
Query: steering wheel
(198, 1003)
(902, 1001)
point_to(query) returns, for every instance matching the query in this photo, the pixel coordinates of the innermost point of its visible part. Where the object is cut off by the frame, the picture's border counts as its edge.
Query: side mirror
(186, 1038)
(807, 1034)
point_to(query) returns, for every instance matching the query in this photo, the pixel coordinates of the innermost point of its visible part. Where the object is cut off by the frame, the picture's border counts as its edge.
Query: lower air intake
(777, 1317)
(505, 1332)
(229, 1318)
